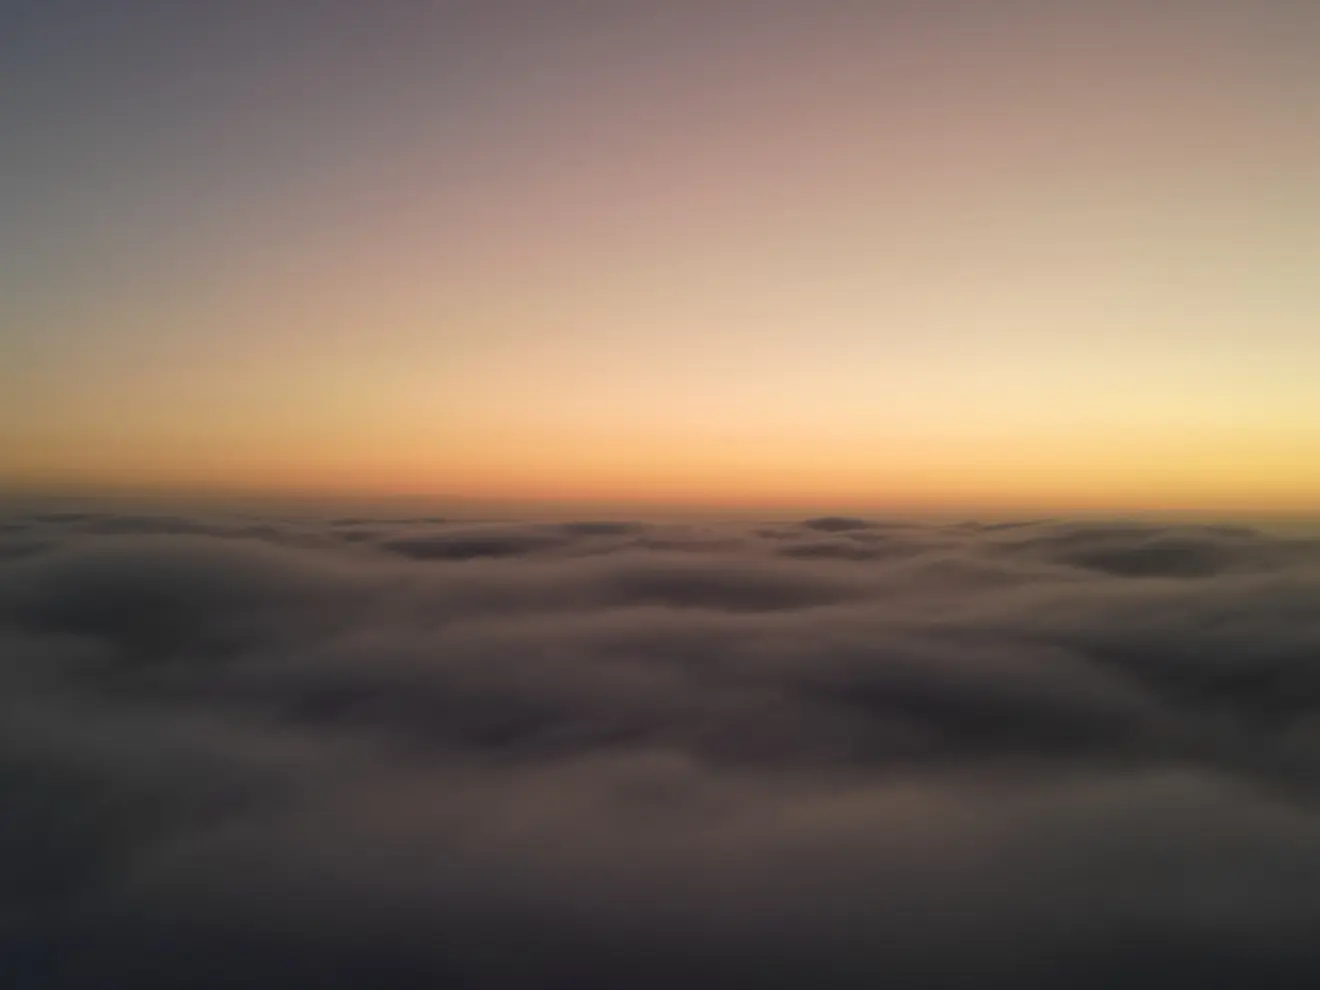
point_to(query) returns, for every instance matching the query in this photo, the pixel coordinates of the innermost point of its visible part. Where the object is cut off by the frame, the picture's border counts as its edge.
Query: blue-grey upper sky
(1000, 251)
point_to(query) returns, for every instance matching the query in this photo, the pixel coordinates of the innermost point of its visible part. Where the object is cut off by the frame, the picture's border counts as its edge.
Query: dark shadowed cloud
(467, 546)
(836, 524)
(251, 753)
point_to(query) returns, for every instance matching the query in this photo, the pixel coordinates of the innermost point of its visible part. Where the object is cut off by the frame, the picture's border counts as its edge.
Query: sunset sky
(910, 254)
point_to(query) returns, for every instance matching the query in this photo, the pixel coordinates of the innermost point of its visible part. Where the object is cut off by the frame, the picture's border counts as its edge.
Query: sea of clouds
(407, 753)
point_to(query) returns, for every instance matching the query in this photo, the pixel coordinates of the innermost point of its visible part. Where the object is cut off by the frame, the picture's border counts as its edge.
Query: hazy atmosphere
(551, 495)
(1015, 253)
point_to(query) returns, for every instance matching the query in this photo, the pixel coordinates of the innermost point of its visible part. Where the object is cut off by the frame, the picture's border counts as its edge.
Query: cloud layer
(835, 753)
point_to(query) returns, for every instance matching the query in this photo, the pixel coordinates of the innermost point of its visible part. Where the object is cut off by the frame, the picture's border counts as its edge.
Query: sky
(1011, 254)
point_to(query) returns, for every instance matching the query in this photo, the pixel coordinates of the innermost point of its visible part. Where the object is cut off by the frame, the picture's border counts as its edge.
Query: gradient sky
(928, 253)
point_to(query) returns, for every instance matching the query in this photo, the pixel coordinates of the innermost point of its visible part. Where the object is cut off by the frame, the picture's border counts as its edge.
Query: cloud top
(828, 753)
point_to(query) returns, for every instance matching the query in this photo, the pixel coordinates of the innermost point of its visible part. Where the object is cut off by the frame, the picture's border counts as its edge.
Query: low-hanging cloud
(836, 753)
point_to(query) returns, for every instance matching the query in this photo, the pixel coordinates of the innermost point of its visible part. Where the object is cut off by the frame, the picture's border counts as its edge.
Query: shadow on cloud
(835, 753)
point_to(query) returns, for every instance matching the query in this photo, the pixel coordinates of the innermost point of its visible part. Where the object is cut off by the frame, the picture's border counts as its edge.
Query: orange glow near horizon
(1017, 255)
(1065, 474)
